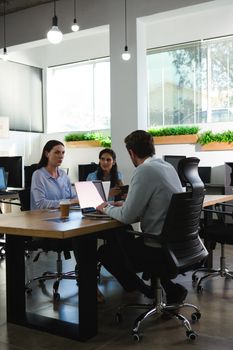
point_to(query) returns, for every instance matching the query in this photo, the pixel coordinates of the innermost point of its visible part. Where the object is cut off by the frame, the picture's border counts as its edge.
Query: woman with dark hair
(50, 184)
(107, 171)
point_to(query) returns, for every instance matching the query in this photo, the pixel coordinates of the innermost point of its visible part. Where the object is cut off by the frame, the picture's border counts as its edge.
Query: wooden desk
(216, 198)
(48, 224)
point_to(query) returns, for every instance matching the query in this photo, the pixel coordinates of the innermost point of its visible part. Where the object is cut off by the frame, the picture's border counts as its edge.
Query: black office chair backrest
(24, 198)
(188, 173)
(179, 236)
(28, 171)
(85, 169)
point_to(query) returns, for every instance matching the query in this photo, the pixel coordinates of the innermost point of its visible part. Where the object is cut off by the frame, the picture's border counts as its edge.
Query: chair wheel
(194, 278)
(191, 335)
(28, 291)
(137, 337)
(56, 296)
(196, 316)
(118, 317)
(199, 289)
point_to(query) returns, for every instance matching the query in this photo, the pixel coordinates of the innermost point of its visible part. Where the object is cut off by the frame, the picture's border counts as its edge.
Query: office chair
(182, 247)
(46, 245)
(217, 231)
(85, 169)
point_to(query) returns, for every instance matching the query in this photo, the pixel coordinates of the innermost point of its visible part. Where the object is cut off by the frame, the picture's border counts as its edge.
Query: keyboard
(5, 192)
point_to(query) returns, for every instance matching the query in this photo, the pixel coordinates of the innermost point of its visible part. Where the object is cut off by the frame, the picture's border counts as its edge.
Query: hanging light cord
(54, 7)
(75, 9)
(4, 23)
(125, 23)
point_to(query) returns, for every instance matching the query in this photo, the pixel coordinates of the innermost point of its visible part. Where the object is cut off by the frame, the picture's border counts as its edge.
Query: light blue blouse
(46, 192)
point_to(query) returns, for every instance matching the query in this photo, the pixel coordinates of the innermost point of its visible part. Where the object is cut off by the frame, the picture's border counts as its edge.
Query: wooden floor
(214, 328)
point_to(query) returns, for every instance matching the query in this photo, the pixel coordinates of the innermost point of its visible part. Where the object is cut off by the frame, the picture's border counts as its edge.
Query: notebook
(90, 195)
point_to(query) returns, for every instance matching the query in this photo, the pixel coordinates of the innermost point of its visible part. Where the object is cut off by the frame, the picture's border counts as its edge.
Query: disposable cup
(65, 209)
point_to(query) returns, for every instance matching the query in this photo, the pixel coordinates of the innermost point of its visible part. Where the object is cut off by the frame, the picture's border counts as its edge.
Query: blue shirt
(93, 177)
(46, 191)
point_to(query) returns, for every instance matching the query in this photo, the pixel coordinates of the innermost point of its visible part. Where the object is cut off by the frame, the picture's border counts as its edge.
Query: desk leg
(15, 279)
(87, 263)
(208, 218)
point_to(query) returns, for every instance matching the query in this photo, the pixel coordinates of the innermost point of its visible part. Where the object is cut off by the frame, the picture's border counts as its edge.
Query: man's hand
(101, 207)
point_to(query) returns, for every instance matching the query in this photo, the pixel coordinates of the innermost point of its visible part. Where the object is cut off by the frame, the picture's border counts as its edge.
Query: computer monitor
(13, 167)
(174, 160)
(205, 173)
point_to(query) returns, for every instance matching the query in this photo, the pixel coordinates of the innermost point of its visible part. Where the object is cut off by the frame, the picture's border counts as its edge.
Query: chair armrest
(144, 235)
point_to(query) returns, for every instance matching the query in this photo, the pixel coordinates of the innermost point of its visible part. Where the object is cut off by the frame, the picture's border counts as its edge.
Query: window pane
(21, 96)
(79, 97)
(191, 83)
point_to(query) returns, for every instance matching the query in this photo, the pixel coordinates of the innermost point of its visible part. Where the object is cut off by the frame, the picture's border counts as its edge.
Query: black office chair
(85, 169)
(46, 245)
(217, 231)
(183, 251)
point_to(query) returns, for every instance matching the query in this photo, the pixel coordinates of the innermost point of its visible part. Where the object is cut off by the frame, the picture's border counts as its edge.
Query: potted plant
(176, 134)
(89, 139)
(216, 141)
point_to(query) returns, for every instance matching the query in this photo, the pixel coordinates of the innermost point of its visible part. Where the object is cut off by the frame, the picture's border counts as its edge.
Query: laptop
(90, 195)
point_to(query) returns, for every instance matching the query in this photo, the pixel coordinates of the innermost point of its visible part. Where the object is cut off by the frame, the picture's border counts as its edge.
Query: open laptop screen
(90, 193)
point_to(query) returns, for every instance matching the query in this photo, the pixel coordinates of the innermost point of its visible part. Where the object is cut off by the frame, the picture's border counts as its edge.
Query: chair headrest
(188, 173)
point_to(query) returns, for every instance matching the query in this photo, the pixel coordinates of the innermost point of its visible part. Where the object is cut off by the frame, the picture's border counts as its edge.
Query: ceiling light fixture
(4, 56)
(75, 26)
(54, 35)
(126, 54)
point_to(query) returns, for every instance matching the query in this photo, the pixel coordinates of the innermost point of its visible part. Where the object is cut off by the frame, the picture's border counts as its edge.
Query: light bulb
(75, 26)
(126, 54)
(54, 35)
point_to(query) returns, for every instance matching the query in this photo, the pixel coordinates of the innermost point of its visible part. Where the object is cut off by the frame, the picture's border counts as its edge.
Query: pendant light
(126, 54)
(75, 26)
(54, 35)
(5, 54)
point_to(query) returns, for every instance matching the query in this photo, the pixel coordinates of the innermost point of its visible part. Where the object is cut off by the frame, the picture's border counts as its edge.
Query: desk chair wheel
(28, 290)
(137, 337)
(56, 296)
(191, 335)
(194, 278)
(195, 316)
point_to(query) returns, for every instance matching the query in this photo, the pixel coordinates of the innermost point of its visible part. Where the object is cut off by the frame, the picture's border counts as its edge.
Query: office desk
(210, 200)
(48, 224)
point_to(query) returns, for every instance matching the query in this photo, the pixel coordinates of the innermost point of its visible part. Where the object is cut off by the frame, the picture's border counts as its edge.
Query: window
(191, 83)
(78, 96)
(21, 96)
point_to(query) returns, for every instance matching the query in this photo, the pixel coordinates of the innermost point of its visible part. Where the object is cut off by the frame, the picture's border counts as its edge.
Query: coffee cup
(65, 208)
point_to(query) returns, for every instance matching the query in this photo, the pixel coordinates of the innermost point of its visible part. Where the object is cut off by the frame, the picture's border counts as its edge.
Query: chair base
(223, 272)
(160, 310)
(57, 276)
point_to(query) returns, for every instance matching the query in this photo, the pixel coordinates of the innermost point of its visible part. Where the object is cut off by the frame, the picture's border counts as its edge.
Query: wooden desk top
(216, 198)
(47, 223)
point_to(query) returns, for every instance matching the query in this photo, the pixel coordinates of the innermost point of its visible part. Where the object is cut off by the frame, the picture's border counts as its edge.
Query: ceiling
(17, 5)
